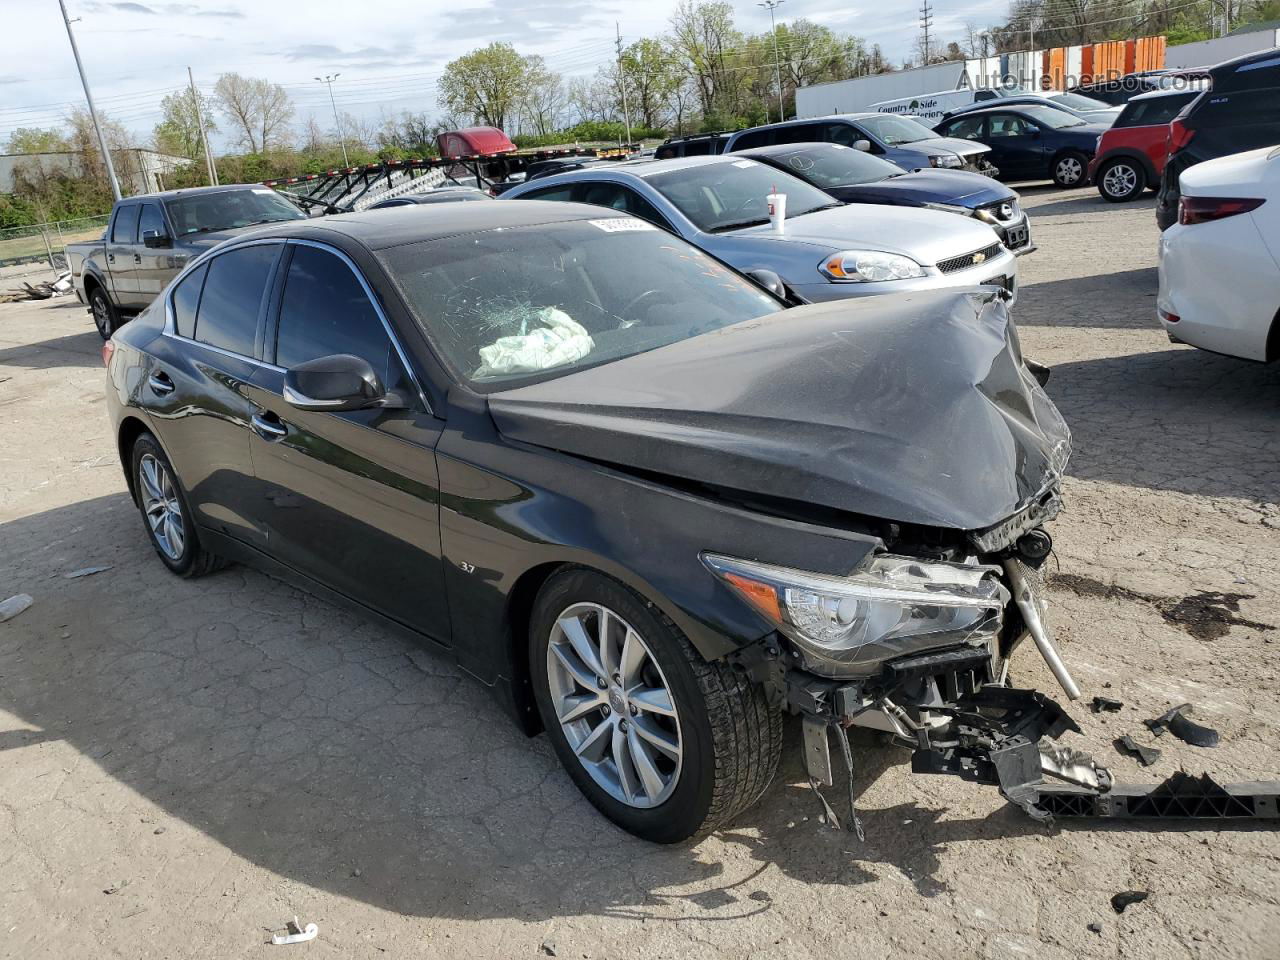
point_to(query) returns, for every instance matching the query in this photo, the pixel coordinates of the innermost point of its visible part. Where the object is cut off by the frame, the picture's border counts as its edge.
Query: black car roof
(395, 226)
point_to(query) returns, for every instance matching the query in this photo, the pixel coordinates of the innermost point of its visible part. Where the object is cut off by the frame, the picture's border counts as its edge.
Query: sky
(388, 53)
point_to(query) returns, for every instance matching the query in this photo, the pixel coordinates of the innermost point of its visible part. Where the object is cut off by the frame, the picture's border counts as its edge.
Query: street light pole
(204, 134)
(771, 5)
(93, 113)
(342, 140)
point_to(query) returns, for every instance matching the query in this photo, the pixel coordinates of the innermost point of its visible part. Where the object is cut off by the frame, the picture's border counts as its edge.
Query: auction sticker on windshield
(621, 225)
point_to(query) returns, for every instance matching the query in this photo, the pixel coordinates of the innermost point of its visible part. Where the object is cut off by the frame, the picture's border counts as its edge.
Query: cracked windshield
(510, 305)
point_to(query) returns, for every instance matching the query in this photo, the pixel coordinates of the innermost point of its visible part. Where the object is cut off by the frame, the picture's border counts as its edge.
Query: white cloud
(389, 53)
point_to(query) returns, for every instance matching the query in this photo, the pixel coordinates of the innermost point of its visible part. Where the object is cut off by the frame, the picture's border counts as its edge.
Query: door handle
(268, 426)
(111, 258)
(137, 258)
(160, 384)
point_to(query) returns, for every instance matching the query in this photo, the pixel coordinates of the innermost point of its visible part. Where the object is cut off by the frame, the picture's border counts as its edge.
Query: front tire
(105, 316)
(663, 743)
(1121, 180)
(1070, 169)
(165, 512)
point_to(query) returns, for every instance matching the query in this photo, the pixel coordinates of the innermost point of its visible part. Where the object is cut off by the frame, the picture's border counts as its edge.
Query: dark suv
(1240, 111)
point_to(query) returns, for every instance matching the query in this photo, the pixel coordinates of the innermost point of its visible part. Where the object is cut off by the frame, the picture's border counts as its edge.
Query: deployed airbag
(559, 340)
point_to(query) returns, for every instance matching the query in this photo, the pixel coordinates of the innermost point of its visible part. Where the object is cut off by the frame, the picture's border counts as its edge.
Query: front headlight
(951, 208)
(867, 266)
(888, 607)
(946, 160)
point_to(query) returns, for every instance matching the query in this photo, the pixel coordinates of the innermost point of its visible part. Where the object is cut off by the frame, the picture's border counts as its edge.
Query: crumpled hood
(965, 148)
(915, 408)
(930, 186)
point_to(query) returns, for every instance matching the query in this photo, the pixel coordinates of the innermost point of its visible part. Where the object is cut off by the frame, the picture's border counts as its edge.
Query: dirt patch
(1206, 615)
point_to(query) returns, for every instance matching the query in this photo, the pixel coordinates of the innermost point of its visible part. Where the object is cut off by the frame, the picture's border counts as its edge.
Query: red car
(1131, 154)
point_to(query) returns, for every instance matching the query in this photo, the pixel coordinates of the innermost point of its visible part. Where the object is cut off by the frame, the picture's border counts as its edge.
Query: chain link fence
(39, 247)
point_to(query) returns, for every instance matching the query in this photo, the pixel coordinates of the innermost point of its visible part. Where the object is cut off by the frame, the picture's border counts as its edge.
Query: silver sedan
(825, 250)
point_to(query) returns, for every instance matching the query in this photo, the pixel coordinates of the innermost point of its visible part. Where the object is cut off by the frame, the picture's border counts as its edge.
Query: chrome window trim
(377, 307)
(192, 264)
(195, 262)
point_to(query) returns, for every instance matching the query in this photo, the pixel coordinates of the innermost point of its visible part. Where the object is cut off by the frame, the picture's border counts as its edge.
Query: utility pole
(204, 136)
(622, 82)
(342, 140)
(772, 5)
(926, 21)
(93, 113)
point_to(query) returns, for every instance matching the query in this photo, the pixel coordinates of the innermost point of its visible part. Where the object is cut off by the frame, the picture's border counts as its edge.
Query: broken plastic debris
(1105, 703)
(559, 340)
(14, 605)
(1127, 898)
(1178, 722)
(1146, 755)
(85, 572)
(296, 933)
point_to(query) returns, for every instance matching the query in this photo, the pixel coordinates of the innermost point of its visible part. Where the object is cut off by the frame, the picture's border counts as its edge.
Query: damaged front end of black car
(914, 429)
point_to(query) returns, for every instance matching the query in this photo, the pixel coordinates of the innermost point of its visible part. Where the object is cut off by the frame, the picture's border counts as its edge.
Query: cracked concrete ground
(184, 765)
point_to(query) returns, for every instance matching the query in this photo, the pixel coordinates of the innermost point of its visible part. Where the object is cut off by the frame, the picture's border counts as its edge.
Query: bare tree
(260, 111)
(542, 105)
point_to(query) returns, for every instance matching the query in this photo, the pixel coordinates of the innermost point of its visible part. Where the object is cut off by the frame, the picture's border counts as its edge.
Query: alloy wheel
(1120, 180)
(614, 705)
(162, 507)
(1069, 170)
(101, 315)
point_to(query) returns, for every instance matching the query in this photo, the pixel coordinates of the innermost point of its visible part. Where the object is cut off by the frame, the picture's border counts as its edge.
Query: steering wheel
(637, 300)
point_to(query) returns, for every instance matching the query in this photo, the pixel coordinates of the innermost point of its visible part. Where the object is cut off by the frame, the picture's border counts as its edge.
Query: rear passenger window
(550, 193)
(124, 229)
(233, 289)
(186, 297)
(1150, 113)
(1237, 109)
(756, 138)
(325, 311)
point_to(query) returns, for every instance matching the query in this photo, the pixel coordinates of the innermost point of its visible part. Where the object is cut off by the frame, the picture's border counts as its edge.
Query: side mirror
(863, 145)
(770, 281)
(333, 384)
(154, 239)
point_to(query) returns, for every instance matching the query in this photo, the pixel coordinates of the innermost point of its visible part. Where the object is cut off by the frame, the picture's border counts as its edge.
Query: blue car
(901, 140)
(1031, 142)
(853, 176)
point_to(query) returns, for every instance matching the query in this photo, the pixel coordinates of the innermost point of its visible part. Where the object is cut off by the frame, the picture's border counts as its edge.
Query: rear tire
(105, 316)
(165, 512)
(1121, 180)
(726, 739)
(1070, 168)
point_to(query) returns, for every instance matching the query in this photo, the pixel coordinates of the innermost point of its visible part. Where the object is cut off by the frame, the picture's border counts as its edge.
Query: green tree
(178, 132)
(652, 79)
(37, 140)
(543, 101)
(703, 41)
(487, 84)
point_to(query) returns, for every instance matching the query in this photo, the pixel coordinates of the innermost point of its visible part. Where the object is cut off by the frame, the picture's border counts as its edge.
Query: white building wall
(1208, 52)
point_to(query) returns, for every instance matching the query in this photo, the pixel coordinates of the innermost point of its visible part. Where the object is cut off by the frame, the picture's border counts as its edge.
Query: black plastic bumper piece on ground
(1181, 797)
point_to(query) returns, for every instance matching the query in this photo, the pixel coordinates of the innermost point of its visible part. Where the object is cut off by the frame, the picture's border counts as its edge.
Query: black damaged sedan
(649, 503)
